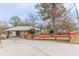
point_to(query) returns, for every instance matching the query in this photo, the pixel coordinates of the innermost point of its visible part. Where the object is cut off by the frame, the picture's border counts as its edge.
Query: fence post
(69, 36)
(55, 36)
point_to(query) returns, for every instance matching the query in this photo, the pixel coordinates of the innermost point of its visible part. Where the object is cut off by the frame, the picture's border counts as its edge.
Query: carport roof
(21, 28)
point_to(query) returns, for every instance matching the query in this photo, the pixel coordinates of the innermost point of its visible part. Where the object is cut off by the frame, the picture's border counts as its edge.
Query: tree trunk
(53, 23)
(53, 17)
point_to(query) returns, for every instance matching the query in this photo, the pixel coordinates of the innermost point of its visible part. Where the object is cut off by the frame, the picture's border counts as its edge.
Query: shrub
(32, 31)
(51, 31)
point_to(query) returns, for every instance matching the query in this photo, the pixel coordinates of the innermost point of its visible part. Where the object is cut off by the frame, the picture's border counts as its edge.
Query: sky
(8, 10)
(72, 12)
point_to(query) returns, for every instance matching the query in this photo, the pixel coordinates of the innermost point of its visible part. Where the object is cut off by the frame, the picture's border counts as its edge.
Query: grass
(75, 40)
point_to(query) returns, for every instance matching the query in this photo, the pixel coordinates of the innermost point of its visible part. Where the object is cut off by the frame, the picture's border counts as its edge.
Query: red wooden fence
(56, 36)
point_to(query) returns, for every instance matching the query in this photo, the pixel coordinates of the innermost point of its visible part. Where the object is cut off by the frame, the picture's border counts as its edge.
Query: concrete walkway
(22, 47)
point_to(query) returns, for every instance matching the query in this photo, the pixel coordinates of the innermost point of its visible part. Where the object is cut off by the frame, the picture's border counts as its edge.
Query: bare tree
(15, 21)
(33, 19)
(51, 11)
(76, 13)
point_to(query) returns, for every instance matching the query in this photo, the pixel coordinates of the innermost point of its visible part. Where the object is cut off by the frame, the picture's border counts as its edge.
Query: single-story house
(19, 30)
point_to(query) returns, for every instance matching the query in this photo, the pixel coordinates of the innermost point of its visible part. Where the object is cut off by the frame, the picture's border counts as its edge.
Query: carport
(19, 30)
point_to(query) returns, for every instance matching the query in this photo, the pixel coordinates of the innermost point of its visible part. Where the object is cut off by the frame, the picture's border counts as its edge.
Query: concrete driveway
(21, 47)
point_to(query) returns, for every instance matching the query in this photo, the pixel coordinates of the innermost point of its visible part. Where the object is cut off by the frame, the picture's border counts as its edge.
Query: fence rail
(56, 36)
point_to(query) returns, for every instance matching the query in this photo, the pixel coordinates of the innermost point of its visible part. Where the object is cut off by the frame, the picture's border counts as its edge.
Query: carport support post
(8, 33)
